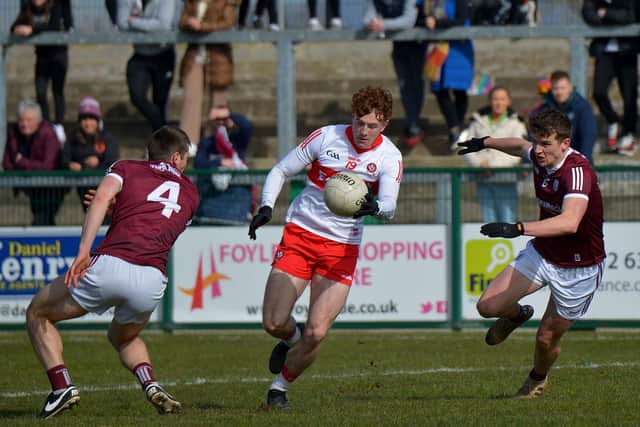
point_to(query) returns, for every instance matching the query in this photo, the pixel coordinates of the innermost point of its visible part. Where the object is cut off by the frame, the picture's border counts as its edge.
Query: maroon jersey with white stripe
(573, 178)
(155, 204)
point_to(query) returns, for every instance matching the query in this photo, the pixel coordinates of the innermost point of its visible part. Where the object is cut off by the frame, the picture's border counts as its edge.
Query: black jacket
(79, 146)
(619, 12)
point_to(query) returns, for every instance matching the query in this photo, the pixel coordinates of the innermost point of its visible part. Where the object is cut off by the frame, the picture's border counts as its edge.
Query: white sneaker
(161, 399)
(59, 130)
(274, 27)
(315, 25)
(612, 136)
(627, 145)
(336, 23)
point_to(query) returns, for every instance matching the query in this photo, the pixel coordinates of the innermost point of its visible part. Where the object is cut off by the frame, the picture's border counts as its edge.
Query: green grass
(413, 378)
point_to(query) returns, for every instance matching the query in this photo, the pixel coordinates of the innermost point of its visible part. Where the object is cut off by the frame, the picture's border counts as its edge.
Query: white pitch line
(251, 380)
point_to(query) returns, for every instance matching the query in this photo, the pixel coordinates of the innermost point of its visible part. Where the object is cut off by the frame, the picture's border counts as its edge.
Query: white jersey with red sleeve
(330, 150)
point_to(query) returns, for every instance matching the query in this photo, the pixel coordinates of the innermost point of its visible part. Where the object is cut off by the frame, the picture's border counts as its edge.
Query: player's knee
(315, 334)
(272, 326)
(34, 312)
(486, 308)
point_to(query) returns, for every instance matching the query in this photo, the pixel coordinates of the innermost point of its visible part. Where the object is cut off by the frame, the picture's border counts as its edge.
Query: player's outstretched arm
(513, 146)
(573, 210)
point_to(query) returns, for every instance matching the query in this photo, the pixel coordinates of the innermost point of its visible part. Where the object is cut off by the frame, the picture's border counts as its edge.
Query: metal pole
(286, 95)
(455, 226)
(578, 64)
(281, 12)
(3, 102)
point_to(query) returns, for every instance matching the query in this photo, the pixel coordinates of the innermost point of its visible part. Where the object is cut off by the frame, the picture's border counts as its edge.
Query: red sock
(288, 375)
(144, 373)
(59, 377)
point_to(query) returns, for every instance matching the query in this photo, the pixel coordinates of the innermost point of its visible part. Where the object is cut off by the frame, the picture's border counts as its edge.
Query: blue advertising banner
(30, 259)
(29, 263)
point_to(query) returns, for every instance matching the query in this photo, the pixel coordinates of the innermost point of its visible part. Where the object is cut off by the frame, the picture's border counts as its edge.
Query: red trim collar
(349, 133)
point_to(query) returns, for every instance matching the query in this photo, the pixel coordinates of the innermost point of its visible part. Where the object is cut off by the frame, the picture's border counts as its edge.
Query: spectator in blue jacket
(456, 73)
(221, 202)
(563, 97)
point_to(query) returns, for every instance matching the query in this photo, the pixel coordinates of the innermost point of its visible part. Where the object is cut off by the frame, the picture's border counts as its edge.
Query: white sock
(295, 338)
(279, 383)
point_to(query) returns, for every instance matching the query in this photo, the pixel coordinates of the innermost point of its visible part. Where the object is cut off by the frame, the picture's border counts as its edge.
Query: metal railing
(427, 196)
(285, 41)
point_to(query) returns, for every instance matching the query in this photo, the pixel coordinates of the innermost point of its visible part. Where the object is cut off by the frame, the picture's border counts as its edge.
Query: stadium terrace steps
(326, 73)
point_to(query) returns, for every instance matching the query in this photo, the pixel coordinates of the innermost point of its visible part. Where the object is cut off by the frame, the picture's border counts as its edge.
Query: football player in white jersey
(319, 248)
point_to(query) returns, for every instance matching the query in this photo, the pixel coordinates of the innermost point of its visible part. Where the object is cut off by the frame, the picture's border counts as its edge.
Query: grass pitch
(361, 378)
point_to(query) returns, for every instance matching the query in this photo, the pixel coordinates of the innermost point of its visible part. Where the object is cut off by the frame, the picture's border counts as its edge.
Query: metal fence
(427, 196)
(576, 33)
(91, 15)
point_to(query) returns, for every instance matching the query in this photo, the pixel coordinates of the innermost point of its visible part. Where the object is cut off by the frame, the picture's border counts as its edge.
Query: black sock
(536, 376)
(521, 317)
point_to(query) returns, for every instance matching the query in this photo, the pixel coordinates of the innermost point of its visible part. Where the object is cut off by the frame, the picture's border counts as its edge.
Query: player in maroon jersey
(567, 251)
(151, 203)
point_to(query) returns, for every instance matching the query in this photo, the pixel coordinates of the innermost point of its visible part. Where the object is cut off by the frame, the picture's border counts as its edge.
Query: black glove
(471, 145)
(502, 229)
(261, 218)
(369, 207)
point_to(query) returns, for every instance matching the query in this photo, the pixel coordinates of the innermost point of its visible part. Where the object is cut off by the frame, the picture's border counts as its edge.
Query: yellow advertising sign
(484, 260)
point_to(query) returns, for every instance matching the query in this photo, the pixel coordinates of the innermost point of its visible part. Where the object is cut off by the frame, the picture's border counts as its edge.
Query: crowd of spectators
(220, 137)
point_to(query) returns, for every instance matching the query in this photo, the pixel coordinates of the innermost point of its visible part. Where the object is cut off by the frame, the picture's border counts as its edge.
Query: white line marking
(252, 380)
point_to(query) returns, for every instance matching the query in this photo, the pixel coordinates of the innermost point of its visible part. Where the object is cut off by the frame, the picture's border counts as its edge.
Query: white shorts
(134, 290)
(571, 288)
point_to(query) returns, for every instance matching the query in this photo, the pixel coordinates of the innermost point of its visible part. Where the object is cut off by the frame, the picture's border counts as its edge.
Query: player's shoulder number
(166, 193)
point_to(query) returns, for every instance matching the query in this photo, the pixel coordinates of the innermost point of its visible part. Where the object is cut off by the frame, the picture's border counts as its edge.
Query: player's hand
(78, 269)
(502, 229)
(88, 198)
(261, 218)
(471, 145)
(369, 207)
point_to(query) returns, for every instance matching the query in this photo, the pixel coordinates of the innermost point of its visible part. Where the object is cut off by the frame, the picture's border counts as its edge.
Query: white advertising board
(617, 297)
(219, 275)
(30, 258)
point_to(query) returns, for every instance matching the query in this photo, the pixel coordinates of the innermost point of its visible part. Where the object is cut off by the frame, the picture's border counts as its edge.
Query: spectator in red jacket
(32, 145)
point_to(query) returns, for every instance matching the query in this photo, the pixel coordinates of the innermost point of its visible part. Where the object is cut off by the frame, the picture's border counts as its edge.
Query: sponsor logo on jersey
(549, 206)
(333, 154)
(165, 167)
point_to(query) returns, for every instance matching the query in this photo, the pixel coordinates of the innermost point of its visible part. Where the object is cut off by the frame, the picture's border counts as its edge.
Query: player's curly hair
(166, 141)
(548, 122)
(369, 99)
